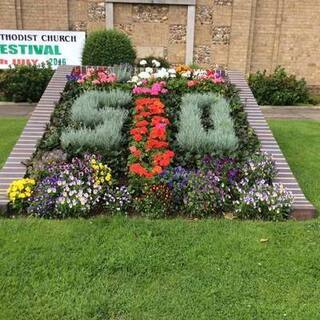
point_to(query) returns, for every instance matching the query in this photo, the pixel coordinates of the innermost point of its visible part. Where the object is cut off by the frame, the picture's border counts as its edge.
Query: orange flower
(156, 170)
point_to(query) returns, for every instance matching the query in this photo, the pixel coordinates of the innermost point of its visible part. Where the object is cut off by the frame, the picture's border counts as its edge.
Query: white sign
(22, 47)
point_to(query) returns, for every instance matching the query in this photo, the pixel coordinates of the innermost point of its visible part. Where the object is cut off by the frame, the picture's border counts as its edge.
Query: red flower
(137, 137)
(158, 133)
(156, 144)
(142, 123)
(163, 159)
(140, 170)
(157, 119)
(150, 127)
(142, 130)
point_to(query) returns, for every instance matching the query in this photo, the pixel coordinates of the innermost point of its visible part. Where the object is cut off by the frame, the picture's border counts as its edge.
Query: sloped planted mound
(162, 143)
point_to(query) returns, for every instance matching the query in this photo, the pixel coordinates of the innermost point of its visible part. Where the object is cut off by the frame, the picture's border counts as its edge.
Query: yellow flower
(21, 189)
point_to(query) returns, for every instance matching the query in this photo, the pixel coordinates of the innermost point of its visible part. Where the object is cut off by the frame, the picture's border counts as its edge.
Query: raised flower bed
(159, 143)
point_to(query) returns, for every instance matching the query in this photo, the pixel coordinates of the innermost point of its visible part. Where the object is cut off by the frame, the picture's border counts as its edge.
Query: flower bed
(162, 142)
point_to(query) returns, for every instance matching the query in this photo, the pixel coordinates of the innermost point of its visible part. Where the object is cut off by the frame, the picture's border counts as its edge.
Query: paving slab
(11, 109)
(291, 112)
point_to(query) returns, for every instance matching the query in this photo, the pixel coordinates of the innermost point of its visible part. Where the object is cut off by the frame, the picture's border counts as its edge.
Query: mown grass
(118, 268)
(10, 130)
(300, 143)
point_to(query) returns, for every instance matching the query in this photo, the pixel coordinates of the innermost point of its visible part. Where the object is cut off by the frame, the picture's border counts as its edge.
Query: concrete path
(11, 109)
(291, 113)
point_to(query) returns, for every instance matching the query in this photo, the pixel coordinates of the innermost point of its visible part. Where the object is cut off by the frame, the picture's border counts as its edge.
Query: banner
(24, 47)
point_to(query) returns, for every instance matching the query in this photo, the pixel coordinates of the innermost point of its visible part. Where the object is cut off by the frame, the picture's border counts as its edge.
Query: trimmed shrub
(108, 48)
(278, 88)
(25, 83)
(205, 124)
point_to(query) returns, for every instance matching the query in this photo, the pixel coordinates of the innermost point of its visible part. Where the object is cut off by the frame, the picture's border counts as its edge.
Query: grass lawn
(117, 268)
(300, 143)
(10, 130)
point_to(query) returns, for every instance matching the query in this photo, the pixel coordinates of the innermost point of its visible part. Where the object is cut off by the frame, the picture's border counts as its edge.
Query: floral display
(93, 76)
(153, 159)
(155, 89)
(70, 189)
(117, 199)
(263, 201)
(149, 147)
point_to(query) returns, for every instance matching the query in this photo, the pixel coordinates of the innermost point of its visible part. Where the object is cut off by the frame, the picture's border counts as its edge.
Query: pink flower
(96, 81)
(192, 83)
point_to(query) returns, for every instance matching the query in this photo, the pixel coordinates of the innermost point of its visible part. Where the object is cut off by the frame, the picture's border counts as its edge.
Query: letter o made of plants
(192, 136)
(97, 120)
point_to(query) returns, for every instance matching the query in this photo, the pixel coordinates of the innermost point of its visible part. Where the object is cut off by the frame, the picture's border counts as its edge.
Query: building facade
(246, 35)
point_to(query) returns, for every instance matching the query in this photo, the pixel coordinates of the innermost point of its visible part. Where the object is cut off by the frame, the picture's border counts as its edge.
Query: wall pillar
(242, 31)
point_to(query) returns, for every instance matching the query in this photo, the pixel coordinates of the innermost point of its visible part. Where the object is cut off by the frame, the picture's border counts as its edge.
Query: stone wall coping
(173, 2)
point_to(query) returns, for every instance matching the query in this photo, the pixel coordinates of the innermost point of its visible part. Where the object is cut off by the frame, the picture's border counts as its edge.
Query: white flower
(143, 62)
(149, 70)
(156, 63)
(134, 79)
(186, 74)
(162, 73)
(144, 75)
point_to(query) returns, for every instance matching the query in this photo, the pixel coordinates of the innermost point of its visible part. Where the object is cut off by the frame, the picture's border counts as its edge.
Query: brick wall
(247, 35)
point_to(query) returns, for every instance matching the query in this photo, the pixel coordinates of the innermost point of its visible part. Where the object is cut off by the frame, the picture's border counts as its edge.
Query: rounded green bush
(25, 83)
(107, 48)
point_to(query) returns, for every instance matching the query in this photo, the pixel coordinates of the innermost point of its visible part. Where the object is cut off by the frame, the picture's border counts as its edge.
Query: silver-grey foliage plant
(192, 136)
(123, 72)
(100, 116)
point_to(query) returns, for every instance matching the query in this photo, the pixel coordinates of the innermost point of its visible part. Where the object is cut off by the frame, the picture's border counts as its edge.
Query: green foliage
(153, 202)
(315, 99)
(123, 72)
(278, 88)
(202, 196)
(98, 117)
(163, 62)
(205, 124)
(25, 83)
(194, 66)
(108, 48)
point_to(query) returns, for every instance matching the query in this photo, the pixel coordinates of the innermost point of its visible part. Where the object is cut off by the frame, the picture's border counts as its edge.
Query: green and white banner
(22, 47)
